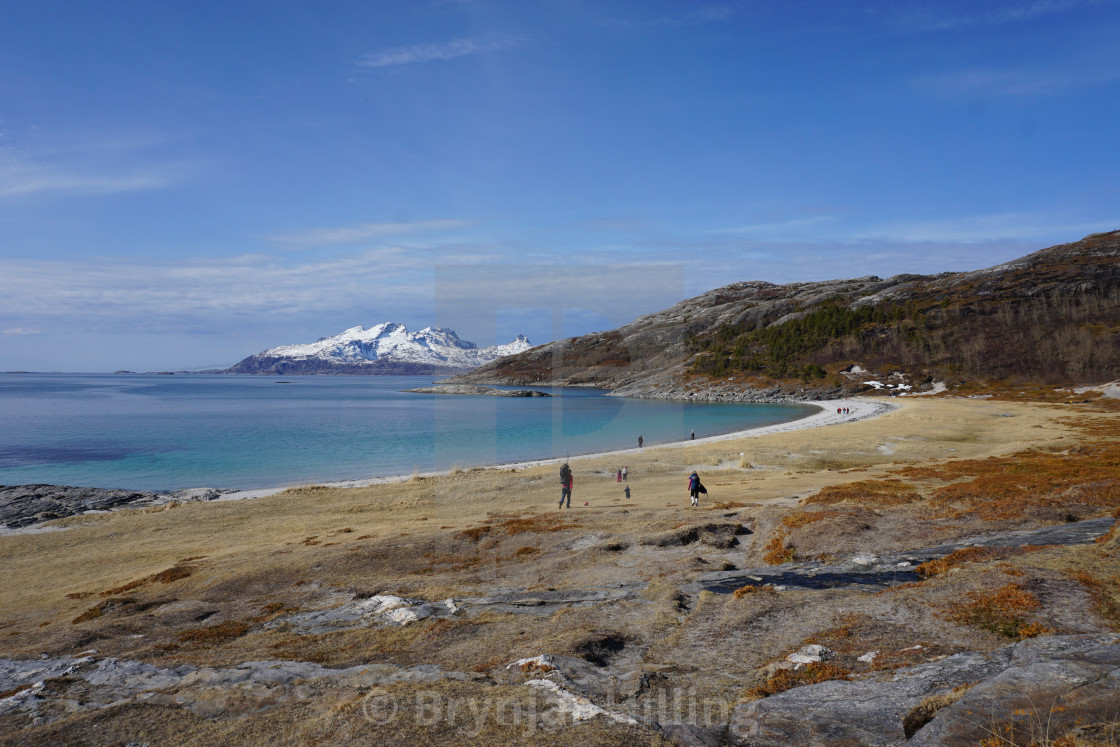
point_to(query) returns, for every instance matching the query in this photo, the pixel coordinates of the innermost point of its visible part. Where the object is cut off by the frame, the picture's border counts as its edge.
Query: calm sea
(149, 432)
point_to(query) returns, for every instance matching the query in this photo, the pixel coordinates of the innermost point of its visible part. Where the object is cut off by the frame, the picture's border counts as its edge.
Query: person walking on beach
(695, 488)
(693, 436)
(639, 442)
(624, 474)
(618, 476)
(565, 485)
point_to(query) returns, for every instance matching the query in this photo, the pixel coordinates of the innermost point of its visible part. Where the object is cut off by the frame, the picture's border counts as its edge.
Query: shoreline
(861, 409)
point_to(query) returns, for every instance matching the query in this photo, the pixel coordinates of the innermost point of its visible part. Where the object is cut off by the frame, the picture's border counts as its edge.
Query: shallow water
(148, 432)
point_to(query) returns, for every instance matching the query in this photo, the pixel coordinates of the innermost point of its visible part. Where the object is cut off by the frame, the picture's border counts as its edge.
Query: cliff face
(1052, 317)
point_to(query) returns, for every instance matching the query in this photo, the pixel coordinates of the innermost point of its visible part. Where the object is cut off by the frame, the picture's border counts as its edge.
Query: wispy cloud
(988, 228)
(407, 55)
(938, 19)
(694, 17)
(316, 237)
(89, 164)
(215, 293)
(793, 226)
(21, 331)
(1011, 82)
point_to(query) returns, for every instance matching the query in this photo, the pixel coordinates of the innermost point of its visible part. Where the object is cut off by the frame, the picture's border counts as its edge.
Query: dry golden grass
(1104, 594)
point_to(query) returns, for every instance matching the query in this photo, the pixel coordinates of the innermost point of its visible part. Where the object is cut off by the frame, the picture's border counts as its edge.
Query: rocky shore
(474, 389)
(23, 506)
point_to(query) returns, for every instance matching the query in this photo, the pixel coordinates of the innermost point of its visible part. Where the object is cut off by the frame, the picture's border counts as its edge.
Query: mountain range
(387, 348)
(1049, 318)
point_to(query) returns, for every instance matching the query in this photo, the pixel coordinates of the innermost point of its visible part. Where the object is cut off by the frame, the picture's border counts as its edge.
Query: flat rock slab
(388, 609)
(1061, 680)
(873, 573)
(56, 687)
(23, 506)
(473, 389)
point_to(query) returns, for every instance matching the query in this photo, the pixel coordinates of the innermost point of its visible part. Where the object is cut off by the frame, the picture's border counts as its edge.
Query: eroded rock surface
(873, 572)
(26, 505)
(1064, 679)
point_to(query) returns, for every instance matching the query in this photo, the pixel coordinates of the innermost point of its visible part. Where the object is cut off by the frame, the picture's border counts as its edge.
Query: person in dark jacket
(695, 488)
(565, 485)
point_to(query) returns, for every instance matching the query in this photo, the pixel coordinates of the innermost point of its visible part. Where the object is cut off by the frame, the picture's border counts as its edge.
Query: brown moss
(172, 574)
(743, 591)
(99, 610)
(803, 518)
(215, 634)
(876, 493)
(776, 550)
(958, 558)
(474, 534)
(810, 674)
(1001, 611)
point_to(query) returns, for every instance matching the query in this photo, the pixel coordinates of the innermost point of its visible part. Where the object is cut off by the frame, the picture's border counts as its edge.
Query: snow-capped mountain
(387, 348)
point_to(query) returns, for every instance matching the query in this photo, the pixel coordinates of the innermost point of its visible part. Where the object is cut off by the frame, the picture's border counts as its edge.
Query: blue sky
(183, 184)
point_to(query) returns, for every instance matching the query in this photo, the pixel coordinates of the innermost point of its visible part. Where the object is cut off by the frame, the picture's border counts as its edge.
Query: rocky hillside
(1052, 317)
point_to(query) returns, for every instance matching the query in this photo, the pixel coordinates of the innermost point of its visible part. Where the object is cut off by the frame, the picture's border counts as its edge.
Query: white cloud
(353, 234)
(449, 50)
(21, 331)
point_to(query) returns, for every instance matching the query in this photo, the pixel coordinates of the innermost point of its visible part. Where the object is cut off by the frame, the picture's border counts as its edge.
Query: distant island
(384, 349)
(472, 389)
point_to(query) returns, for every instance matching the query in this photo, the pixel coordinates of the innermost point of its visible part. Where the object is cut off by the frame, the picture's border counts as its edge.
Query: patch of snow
(868, 657)
(875, 384)
(865, 560)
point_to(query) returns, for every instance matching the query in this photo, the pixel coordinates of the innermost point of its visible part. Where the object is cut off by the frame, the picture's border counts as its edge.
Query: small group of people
(695, 487)
(843, 410)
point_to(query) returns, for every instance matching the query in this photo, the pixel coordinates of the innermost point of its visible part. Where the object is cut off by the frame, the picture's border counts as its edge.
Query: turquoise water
(170, 432)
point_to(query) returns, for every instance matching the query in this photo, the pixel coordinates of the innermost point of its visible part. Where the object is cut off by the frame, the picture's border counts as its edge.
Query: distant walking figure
(624, 475)
(695, 488)
(565, 485)
(627, 492)
(693, 436)
(618, 476)
(639, 442)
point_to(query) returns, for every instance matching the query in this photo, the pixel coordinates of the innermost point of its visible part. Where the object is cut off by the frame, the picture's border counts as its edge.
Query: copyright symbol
(379, 707)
